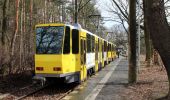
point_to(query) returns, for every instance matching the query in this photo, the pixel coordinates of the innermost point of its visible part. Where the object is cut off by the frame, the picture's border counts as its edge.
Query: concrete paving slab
(106, 85)
(116, 84)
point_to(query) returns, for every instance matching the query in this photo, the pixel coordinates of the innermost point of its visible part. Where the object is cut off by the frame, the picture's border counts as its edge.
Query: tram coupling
(39, 79)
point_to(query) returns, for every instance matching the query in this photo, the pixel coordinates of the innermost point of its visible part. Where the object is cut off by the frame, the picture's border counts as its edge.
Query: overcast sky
(102, 6)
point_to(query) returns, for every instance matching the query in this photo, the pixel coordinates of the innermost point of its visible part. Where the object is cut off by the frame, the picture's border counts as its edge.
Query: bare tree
(4, 21)
(132, 42)
(15, 35)
(156, 16)
(18, 27)
(31, 24)
(147, 35)
(119, 9)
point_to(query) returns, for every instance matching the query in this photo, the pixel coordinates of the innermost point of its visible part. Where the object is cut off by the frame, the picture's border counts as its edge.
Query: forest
(18, 20)
(149, 18)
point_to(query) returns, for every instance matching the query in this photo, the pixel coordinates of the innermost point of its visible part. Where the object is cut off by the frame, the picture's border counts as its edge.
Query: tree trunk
(147, 35)
(148, 46)
(132, 42)
(45, 11)
(24, 33)
(31, 27)
(14, 36)
(3, 35)
(63, 13)
(21, 35)
(16, 27)
(160, 32)
(76, 12)
(4, 21)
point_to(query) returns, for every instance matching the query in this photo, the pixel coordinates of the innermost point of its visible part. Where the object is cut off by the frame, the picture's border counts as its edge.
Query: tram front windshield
(49, 39)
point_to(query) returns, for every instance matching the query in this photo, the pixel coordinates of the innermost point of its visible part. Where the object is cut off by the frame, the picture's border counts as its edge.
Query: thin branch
(83, 5)
(120, 9)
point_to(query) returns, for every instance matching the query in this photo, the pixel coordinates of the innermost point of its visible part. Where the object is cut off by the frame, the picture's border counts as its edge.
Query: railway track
(37, 91)
(52, 93)
(30, 92)
(22, 92)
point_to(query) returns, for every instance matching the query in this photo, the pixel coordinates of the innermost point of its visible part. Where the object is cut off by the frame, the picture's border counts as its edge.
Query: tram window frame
(66, 49)
(75, 41)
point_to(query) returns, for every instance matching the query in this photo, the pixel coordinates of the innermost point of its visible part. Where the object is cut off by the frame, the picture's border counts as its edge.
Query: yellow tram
(69, 52)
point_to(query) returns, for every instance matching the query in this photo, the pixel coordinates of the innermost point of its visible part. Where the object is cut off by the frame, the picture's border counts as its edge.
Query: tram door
(96, 56)
(102, 54)
(83, 60)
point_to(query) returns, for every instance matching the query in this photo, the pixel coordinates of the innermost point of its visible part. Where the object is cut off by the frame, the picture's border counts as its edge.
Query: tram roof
(76, 26)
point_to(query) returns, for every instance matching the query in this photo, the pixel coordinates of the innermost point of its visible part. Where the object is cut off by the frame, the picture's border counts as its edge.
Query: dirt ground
(10, 84)
(152, 84)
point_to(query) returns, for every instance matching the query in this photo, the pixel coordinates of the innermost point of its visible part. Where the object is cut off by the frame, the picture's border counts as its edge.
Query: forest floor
(10, 84)
(152, 83)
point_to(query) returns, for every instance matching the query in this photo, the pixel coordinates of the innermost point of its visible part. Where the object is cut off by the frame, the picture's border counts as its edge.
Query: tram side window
(113, 48)
(105, 46)
(89, 46)
(75, 41)
(110, 47)
(67, 41)
(93, 41)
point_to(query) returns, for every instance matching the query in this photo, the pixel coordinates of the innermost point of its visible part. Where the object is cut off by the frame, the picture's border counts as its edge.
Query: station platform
(105, 85)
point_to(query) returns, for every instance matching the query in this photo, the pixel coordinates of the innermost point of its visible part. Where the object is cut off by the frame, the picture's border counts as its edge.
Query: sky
(103, 5)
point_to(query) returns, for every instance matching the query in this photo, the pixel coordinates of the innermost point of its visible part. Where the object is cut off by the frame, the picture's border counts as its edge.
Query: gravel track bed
(22, 91)
(10, 85)
(52, 92)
